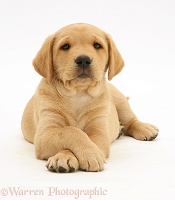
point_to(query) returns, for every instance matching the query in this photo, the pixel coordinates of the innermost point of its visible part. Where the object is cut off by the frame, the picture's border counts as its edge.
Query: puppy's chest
(81, 108)
(79, 103)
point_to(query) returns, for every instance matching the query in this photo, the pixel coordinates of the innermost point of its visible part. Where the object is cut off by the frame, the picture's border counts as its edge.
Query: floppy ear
(115, 62)
(43, 61)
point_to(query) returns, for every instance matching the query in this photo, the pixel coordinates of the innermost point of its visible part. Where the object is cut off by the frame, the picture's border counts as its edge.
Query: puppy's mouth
(83, 76)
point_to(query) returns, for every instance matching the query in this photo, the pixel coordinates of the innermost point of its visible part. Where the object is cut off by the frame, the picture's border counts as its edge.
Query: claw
(52, 169)
(61, 169)
(71, 169)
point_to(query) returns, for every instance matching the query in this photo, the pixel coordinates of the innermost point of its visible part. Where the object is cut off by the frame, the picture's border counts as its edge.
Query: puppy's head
(78, 54)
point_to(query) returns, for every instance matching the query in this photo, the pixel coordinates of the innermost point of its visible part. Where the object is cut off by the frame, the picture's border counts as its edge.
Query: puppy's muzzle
(83, 61)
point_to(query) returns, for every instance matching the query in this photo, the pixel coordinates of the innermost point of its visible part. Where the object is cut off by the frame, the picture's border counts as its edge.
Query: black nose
(83, 61)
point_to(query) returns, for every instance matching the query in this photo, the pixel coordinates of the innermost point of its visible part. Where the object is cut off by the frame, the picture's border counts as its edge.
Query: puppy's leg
(97, 131)
(51, 139)
(132, 126)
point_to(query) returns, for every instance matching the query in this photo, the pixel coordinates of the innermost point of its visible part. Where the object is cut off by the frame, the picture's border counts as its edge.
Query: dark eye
(97, 45)
(65, 47)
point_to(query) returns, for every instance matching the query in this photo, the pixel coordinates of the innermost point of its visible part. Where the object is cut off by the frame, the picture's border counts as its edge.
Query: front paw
(91, 159)
(64, 161)
(142, 131)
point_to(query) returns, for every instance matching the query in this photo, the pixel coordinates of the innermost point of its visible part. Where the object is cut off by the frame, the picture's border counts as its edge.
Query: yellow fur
(72, 119)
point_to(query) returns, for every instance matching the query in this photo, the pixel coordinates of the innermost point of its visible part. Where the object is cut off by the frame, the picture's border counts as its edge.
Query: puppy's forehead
(80, 30)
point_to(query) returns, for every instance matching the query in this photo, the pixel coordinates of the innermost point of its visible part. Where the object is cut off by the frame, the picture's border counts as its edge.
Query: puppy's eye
(97, 45)
(65, 47)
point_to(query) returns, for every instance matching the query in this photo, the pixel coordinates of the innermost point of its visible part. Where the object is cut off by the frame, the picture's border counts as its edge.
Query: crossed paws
(91, 158)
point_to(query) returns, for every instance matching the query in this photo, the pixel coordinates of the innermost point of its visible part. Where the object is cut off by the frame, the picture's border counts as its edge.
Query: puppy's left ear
(115, 62)
(43, 61)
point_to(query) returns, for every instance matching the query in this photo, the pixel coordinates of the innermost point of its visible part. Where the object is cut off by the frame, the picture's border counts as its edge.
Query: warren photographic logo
(54, 191)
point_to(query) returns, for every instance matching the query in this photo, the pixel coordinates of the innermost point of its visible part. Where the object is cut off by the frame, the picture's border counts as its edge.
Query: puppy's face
(78, 54)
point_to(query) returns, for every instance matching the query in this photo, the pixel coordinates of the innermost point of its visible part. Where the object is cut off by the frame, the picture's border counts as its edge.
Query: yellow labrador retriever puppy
(75, 113)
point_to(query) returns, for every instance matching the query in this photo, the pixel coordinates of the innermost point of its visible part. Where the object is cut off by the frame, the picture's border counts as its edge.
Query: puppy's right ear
(43, 61)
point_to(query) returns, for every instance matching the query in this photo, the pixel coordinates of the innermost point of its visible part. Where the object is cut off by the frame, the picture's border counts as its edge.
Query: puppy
(75, 113)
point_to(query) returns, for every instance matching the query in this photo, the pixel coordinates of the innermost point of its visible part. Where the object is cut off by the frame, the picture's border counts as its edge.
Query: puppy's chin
(82, 81)
(69, 86)
(78, 80)
(92, 87)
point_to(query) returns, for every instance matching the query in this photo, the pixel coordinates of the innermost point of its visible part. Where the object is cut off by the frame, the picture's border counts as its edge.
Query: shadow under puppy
(75, 113)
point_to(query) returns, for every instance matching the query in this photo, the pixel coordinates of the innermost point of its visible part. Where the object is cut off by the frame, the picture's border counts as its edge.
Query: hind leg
(27, 123)
(132, 126)
(142, 131)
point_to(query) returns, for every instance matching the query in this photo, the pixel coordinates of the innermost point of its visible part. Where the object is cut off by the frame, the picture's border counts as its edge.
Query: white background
(144, 32)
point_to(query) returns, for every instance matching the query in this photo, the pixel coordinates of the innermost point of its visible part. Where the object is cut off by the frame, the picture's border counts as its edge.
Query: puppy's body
(75, 114)
(78, 110)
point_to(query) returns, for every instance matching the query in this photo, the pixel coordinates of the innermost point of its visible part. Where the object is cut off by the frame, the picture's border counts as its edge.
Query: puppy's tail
(128, 98)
